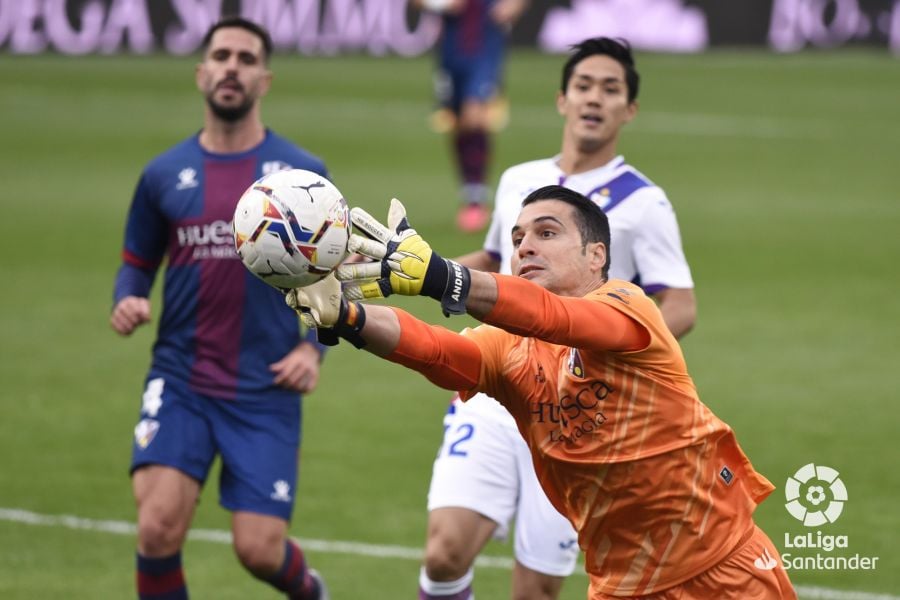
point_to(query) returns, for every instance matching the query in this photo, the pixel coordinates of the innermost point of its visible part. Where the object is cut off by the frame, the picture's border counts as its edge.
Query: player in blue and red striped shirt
(470, 69)
(229, 362)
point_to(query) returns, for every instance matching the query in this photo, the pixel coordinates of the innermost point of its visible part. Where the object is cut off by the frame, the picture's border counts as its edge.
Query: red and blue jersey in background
(220, 327)
(472, 32)
(470, 55)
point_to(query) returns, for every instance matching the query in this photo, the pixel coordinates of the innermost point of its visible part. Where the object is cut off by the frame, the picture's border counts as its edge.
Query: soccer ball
(291, 228)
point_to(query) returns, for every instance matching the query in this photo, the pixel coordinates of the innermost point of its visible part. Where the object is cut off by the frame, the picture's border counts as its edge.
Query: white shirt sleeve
(657, 250)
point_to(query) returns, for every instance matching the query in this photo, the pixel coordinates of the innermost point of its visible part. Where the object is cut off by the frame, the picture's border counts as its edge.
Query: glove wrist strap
(351, 322)
(351, 319)
(459, 280)
(448, 282)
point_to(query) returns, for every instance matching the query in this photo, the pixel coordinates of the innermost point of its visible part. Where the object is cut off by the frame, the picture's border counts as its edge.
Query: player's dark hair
(618, 49)
(591, 220)
(241, 23)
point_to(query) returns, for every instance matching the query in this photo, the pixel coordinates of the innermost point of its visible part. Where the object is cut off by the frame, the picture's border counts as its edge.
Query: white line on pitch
(354, 548)
(221, 536)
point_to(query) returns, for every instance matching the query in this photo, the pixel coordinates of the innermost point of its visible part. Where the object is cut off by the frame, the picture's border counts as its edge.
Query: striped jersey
(220, 326)
(471, 34)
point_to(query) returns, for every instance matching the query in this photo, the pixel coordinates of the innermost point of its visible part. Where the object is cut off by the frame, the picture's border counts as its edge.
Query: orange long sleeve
(447, 359)
(526, 309)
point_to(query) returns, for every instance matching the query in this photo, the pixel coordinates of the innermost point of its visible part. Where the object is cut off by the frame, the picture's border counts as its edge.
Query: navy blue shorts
(469, 79)
(259, 444)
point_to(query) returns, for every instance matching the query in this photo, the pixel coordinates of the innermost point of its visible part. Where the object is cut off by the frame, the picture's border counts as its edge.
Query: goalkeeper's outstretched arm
(406, 264)
(451, 360)
(447, 359)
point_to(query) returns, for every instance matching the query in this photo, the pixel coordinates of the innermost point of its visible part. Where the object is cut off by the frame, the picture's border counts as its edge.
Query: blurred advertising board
(392, 27)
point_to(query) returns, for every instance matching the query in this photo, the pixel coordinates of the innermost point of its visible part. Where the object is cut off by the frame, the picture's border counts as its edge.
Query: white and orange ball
(291, 228)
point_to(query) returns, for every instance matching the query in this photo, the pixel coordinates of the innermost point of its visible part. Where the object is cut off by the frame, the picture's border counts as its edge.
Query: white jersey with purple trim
(646, 243)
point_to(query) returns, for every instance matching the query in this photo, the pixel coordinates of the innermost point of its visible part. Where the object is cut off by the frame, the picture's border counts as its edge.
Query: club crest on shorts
(282, 491)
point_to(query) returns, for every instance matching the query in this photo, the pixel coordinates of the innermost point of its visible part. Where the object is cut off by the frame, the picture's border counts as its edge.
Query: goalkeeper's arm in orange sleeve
(453, 361)
(447, 359)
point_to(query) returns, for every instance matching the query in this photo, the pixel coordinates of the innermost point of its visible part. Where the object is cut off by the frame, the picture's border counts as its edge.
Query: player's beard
(230, 114)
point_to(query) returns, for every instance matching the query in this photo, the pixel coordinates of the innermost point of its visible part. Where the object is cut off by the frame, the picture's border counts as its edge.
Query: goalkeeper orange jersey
(653, 481)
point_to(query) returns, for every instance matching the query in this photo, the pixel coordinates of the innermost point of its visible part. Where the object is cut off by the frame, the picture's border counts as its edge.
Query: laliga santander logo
(815, 495)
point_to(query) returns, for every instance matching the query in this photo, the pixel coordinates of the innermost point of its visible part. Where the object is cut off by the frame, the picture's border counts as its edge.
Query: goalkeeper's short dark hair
(593, 225)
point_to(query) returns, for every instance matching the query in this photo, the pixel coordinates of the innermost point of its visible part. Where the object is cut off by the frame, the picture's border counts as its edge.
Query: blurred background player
(470, 68)
(229, 363)
(483, 475)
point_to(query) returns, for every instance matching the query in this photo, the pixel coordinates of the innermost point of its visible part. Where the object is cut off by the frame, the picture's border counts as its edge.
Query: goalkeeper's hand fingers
(375, 279)
(358, 271)
(319, 304)
(405, 263)
(378, 239)
(397, 221)
(369, 225)
(363, 281)
(291, 299)
(366, 247)
(373, 228)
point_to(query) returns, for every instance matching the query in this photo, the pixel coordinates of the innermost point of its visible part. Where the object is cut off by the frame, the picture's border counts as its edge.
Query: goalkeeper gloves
(405, 264)
(321, 306)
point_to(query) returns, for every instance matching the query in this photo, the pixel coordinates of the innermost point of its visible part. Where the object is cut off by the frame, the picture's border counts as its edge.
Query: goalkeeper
(660, 493)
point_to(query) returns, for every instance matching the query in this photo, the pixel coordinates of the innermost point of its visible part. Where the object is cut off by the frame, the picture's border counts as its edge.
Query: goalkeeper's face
(233, 75)
(549, 250)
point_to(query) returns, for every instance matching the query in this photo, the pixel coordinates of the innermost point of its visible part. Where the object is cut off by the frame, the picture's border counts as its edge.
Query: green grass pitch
(783, 171)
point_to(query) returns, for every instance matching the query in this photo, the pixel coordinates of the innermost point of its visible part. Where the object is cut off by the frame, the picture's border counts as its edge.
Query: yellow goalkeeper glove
(404, 264)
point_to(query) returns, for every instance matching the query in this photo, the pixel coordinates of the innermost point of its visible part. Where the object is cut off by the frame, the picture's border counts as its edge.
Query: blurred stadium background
(782, 167)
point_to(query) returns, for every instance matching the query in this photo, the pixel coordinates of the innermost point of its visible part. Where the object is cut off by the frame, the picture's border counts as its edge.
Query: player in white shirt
(483, 474)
